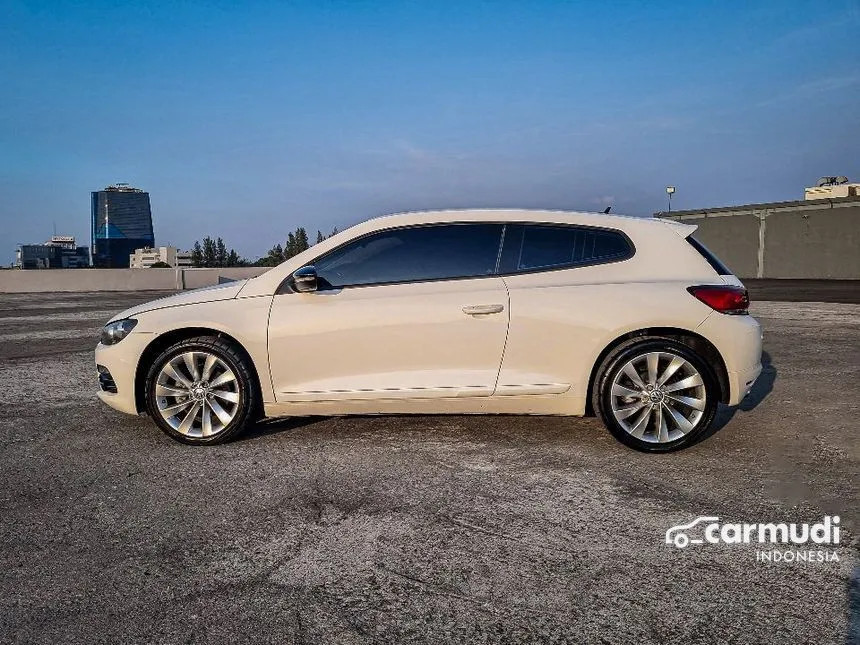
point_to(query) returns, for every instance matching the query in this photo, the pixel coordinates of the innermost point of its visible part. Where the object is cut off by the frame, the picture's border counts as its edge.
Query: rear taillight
(726, 300)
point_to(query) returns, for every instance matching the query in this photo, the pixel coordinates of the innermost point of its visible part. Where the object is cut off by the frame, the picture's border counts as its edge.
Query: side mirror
(305, 279)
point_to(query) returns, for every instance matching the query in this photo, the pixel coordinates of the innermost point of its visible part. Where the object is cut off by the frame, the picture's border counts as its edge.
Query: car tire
(647, 412)
(206, 375)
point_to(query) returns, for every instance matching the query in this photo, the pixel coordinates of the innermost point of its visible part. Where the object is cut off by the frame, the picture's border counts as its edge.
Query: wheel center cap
(198, 392)
(656, 396)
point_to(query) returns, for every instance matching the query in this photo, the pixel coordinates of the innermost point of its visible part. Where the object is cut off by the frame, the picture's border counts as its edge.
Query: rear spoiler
(683, 230)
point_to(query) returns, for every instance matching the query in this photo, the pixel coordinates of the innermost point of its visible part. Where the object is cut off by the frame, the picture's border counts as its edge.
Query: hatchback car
(460, 312)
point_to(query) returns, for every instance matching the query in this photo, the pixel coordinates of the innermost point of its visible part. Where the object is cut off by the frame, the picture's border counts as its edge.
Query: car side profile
(460, 312)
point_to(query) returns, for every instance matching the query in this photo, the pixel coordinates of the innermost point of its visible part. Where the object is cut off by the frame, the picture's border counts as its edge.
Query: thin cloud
(813, 88)
(828, 84)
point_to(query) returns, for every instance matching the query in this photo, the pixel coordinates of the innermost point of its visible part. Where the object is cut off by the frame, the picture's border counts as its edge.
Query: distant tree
(273, 258)
(214, 253)
(210, 253)
(302, 242)
(220, 253)
(160, 265)
(197, 255)
(296, 243)
(334, 231)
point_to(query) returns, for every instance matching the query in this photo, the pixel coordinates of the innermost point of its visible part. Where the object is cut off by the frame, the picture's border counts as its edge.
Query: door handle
(483, 310)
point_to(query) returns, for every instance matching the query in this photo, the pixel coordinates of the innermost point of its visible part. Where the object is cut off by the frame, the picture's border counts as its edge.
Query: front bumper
(120, 362)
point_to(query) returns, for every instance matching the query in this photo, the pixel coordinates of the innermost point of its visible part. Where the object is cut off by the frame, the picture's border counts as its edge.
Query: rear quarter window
(545, 247)
(712, 259)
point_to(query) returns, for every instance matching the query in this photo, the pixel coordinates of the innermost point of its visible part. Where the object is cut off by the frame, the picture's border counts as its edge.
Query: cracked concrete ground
(424, 529)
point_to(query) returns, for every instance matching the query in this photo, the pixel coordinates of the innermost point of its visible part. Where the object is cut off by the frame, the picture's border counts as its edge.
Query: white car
(461, 312)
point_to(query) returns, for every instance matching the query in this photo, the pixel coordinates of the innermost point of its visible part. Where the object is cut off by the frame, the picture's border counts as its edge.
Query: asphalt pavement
(417, 529)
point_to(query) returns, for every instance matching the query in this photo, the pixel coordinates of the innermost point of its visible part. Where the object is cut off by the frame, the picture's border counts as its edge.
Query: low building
(809, 239)
(60, 252)
(144, 258)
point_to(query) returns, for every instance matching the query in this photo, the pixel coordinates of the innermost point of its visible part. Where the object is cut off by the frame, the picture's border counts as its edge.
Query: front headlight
(117, 330)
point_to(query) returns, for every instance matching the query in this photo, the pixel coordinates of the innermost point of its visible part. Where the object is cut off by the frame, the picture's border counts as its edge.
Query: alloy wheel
(658, 397)
(197, 394)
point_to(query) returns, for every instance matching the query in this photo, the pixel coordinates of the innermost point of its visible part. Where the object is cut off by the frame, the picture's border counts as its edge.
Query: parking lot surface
(417, 528)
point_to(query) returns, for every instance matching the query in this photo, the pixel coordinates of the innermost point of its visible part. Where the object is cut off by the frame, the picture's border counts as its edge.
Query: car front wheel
(656, 395)
(201, 391)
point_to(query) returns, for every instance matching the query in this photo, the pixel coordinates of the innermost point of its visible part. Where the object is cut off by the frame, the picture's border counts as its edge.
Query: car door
(412, 312)
(561, 289)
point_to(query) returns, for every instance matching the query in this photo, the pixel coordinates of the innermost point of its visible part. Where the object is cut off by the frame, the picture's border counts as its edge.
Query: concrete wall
(791, 240)
(733, 239)
(196, 278)
(813, 244)
(17, 281)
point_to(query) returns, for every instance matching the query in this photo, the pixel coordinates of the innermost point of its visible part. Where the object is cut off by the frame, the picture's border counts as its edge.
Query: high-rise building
(121, 223)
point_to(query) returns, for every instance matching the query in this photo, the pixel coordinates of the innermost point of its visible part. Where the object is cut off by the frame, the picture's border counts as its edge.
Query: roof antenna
(606, 210)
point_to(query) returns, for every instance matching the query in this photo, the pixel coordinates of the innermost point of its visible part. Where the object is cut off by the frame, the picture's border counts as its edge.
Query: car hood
(224, 291)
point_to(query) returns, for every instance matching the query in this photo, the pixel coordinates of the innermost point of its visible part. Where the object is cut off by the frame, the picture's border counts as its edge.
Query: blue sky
(248, 119)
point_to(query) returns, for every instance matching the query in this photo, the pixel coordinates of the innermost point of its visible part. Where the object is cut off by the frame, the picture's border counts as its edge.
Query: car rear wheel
(201, 391)
(656, 394)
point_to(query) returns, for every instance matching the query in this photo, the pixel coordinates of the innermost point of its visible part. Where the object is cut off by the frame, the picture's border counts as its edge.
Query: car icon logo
(677, 534)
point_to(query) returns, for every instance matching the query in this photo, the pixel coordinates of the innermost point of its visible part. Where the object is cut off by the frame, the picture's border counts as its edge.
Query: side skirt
(549, 404)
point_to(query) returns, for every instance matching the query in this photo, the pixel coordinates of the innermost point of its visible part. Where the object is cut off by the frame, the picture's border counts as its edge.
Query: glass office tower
(121, 223)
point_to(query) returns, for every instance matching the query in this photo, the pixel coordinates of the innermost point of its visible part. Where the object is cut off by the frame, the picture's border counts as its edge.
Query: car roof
(638, 228)
(622, 222)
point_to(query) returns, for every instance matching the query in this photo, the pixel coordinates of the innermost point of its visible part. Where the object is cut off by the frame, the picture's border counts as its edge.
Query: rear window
(712, 259)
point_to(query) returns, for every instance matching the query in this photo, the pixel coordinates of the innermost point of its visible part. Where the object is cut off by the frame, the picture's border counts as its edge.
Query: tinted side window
(413, 254)
(535, 247)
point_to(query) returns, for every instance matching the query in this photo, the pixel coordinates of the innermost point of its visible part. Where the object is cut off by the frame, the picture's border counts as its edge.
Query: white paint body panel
(410, 347)
(557, 332)
(387, 341)
(226, 291)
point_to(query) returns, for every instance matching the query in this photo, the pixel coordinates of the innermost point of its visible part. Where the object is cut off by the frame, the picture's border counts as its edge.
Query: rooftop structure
(832, 187)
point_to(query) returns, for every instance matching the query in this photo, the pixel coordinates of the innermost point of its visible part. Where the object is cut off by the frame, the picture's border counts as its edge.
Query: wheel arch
(691, 339)
(168, 338)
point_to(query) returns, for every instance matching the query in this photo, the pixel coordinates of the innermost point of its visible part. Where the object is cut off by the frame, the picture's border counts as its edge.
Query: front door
(402, 313)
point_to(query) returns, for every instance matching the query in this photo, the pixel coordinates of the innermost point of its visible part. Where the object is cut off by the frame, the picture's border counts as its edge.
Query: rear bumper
(740, 383)
(739, 341)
